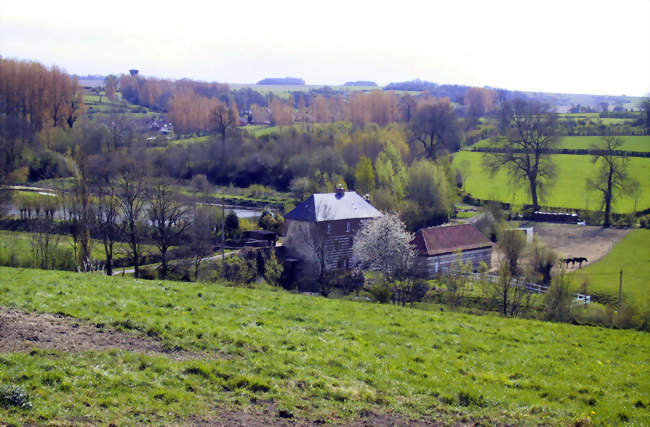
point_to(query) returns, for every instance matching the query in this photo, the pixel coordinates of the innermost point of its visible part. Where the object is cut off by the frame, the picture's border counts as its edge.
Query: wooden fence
(532, 287)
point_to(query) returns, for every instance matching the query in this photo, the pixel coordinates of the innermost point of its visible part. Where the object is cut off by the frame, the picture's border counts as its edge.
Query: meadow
(631, 143)
(314, 359)
(17, 249)
(632, 255)
(568, 191)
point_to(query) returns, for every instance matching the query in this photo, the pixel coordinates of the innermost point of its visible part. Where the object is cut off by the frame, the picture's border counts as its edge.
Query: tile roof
(330, 207)
(449, 239)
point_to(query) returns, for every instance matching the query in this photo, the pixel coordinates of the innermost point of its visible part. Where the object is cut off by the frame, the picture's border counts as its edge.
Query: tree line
(33, 98)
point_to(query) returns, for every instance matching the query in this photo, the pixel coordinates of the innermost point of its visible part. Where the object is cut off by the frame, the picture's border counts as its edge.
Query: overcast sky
(595, 47)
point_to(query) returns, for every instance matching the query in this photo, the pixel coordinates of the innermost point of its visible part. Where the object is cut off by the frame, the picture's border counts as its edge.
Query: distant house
(438, 248)
(321, 230)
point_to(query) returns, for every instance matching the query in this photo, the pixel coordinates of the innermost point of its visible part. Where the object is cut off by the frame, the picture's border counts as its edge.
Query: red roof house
(439, 248)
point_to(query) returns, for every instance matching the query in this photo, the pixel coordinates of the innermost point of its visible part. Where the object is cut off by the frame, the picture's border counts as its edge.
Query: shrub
(273, 270)
(471, 399)
(381, 292)
(350, 281)
(592, 217)
(14, 396)
(593, 314)
(557, 302)
(237, 269)
(271, 221)
(625, 221)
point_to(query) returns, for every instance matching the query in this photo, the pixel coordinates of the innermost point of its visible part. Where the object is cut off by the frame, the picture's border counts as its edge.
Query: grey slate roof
(330, 207)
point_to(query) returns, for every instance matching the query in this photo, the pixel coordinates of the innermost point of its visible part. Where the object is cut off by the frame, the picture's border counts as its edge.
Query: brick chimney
(340, 191)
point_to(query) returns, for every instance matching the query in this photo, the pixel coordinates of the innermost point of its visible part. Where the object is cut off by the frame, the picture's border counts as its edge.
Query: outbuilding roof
(448, 239)
(333, 206)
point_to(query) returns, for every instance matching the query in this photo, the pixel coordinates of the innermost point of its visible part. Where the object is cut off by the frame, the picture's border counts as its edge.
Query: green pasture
(614, 120)
(632, 255)
(568, 191)
(631, 143)
(319, 360)
(18, 249)
(261, 130)
(191, 140)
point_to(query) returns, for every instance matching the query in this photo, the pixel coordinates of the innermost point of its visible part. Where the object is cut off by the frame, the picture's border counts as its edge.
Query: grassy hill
(568, 192)
(314, 359)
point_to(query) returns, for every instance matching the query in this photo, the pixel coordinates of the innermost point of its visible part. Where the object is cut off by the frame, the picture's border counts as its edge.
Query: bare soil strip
(271, 416)
(20, 331)
(570, 240)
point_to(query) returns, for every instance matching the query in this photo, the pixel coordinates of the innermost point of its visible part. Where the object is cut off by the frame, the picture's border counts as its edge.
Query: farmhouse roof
(449, 239)
(332, 206)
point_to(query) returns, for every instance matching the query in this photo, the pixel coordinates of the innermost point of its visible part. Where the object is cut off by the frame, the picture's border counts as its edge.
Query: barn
(438, 248)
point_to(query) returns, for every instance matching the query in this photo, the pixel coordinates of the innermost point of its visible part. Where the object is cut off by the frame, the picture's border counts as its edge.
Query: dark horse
(573, 260)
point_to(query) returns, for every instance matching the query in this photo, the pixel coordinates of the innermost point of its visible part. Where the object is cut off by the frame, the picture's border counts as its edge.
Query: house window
(347, 227)
(329, 228)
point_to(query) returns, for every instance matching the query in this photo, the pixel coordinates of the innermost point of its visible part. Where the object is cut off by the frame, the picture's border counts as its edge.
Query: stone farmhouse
(320, 231)
(438, 248)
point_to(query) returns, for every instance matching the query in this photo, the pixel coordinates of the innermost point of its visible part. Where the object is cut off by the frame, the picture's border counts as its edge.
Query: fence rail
(535, 288)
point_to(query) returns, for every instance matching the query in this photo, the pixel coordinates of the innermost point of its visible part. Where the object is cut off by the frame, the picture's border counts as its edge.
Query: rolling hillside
(267, 356)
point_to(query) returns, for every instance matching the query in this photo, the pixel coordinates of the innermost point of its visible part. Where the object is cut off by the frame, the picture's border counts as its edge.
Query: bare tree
(44, 242)
(131, 197)
(511, 297)
(224, 118)
(169, 220)
(75, 103)
(612, 175)
(435, 126)
(530, 132)
(644, 106)
(83, 209)
(512, 243)
(200, 238)
(120, 128)
(542, 261)
(457, 280)
(107, 219)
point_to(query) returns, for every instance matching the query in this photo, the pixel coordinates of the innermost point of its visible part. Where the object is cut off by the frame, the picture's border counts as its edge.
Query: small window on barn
(347, 227)
(329, 228)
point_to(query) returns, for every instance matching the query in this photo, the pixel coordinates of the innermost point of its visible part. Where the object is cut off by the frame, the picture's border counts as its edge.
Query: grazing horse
(573, 261)
(580, 260)
(567, 261)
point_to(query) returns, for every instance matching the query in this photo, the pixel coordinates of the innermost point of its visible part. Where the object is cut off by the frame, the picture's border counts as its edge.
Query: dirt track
(578, 240)
(20, 331)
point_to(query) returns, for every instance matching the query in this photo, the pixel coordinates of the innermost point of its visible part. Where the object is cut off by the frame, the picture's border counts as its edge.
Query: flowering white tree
(384, 245)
